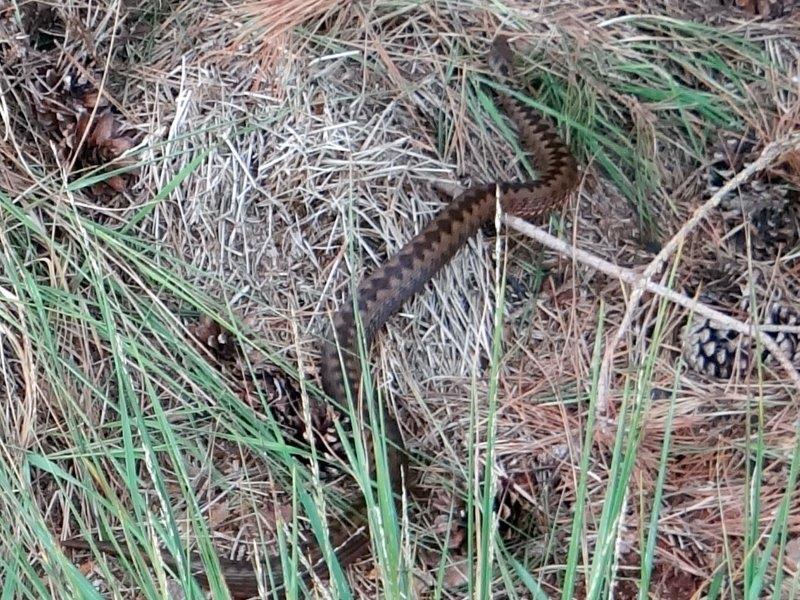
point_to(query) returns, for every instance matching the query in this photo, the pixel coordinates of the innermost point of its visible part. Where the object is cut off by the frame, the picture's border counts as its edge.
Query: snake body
(382, 294)
(404, 275)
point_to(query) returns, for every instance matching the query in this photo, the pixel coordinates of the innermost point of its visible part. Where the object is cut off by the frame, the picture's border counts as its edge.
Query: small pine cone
(510, 506)
(726, 160)
(517, 500)
(782, 313)
(84, 126)
(722, 283)
(769, 9)
(285, 404)
(712, 350)
(283, 398)
(214, 338)
(769, 209)
(323, 425)
(324, 436)
(774, 227)
(104, 141)
(43, 24)
(517, 292)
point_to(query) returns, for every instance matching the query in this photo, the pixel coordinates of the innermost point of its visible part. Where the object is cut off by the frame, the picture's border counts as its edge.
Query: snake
(381, 294)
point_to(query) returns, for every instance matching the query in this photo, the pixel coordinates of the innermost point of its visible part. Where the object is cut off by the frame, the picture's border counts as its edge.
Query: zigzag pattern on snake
(405, 274)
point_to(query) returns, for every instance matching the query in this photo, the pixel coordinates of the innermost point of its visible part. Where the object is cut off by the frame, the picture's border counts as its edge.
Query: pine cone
(716, 351)
(782, 313)
(215, 339)
(769, 209)
(767, 214)
(282, 394)
(84, 126)
(511, 507)
(774, 226)
(712, 350)
(521, 501)
(731, 155)
(43, 25)
(707, 347)
(770, 9)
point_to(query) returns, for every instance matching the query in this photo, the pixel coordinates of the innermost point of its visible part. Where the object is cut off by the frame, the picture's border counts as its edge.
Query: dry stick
(767, 157)
(633, 278)
(642, 282)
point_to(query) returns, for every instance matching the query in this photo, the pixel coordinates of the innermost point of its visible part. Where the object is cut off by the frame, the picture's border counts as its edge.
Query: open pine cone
(714, 350)
(762, 211)
(762, 217)
(87, 129)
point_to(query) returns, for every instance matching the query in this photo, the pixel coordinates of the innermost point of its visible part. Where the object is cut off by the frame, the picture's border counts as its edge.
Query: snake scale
(381, 294)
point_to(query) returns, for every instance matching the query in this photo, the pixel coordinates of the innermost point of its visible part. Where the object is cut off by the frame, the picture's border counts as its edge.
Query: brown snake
(380, 295)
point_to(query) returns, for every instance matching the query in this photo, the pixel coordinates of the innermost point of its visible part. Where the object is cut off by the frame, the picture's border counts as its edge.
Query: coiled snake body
(380, 295)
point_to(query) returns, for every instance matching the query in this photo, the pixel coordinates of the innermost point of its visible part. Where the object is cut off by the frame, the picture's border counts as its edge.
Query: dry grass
(285, 148)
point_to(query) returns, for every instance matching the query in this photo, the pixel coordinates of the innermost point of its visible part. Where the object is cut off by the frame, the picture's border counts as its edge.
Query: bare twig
(768, 155)
(631, 277)
(643, 282)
